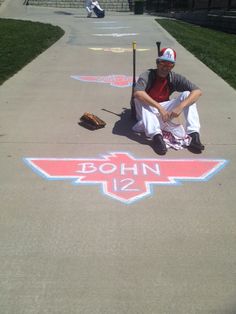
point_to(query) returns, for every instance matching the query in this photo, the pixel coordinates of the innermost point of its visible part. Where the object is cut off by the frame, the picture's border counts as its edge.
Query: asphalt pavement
(95, 222)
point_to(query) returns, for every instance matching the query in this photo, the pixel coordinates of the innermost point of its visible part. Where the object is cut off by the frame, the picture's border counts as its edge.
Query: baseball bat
(158, 43)
(132, 104)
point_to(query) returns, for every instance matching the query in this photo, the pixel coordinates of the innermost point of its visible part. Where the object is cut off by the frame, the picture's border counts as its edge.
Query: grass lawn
(214, 48)
(21, 42)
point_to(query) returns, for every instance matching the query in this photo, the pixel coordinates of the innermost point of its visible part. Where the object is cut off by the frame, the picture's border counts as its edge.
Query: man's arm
(146, 99)
(192, 98)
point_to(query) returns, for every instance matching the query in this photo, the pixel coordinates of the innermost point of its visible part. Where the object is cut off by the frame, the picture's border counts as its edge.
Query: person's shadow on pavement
(123, 127)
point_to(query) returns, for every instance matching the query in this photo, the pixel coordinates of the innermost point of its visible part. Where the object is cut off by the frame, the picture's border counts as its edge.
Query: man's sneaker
(195, 145)
(89, 14)
(160, 145)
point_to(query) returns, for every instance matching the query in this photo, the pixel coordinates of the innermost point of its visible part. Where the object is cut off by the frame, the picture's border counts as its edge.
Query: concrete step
(223, 12)
(109, 5)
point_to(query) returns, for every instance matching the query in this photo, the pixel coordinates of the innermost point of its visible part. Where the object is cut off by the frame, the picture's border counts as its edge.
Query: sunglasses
(167, 64)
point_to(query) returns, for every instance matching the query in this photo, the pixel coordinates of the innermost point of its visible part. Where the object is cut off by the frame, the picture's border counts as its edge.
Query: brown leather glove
(91, 121)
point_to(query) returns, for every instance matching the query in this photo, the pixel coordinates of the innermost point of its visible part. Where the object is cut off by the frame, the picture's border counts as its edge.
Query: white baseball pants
(149, 119)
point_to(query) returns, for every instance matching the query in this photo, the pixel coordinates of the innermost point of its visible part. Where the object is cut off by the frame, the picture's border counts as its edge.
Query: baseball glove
(91, 121)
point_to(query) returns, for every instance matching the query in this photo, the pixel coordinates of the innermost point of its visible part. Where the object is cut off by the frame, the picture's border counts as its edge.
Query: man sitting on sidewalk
(92, 5)
(154, 108)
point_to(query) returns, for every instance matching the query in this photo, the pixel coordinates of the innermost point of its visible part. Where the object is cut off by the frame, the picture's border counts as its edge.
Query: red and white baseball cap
(167, 54)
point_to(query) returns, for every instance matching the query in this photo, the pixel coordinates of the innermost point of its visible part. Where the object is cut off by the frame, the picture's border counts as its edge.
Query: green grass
(214, 48)
(21, 42)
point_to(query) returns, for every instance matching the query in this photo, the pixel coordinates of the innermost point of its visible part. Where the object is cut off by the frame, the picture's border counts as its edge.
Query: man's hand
(165, 115)
(175, 112)
(192, 98)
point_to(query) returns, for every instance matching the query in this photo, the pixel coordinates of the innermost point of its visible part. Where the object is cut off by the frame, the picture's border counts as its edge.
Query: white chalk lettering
(110, 168)
(147, 167)
(124, 185)
(87, 167)
(123, 169)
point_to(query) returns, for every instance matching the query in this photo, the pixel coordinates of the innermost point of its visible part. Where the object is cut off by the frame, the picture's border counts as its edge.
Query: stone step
(223, 12)
(109, 5)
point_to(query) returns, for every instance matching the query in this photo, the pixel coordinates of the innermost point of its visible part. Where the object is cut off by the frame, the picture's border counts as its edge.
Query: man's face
(164, 68)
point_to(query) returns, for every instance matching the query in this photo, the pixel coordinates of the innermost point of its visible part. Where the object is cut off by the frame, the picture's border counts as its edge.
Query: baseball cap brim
(165, 59)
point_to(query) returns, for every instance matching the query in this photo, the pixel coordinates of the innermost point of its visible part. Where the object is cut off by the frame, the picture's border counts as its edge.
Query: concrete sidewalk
(77, 247)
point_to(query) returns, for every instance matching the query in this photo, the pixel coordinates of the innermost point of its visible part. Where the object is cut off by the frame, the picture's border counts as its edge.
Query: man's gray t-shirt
(176, 82)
